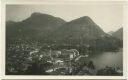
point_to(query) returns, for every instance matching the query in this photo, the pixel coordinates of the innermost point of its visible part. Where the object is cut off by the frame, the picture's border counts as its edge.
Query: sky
(108, 15)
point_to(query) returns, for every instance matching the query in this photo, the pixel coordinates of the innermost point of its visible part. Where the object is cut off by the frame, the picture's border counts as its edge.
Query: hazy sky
(109, 16)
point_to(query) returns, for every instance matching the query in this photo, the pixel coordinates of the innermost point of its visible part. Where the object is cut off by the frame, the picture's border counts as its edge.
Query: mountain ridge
(118, 34)
(52, 30)
(35, 26)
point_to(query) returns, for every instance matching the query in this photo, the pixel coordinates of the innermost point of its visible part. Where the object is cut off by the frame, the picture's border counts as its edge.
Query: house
(82, 60)
(59, 63)
(55, 54)
(62, 58)
(34, 52)
(69, 54)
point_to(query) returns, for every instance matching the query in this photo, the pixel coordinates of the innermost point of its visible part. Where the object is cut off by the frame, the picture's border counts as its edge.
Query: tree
(91, 65)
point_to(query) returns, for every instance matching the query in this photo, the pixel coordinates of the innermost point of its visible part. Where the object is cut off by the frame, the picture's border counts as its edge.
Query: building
(69, 54)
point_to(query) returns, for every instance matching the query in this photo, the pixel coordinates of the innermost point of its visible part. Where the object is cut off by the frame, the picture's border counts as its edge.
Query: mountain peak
(37, 14)
(118, 34)
(85, 17)
(42, 18)
(85, 20)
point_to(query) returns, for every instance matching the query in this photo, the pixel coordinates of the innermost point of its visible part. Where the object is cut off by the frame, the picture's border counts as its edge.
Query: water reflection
(113, 59)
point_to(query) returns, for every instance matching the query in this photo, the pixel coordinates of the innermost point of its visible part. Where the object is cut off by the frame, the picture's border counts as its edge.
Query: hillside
(118, 34)
(37, 26)
(82, 33)
(81, 28)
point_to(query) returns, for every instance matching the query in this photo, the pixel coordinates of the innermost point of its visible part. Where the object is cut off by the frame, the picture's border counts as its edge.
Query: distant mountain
(111, 32)
(83, 34)
(80, 34)
(36, 26)
(118, 34)
(9, 23)
(82, 28)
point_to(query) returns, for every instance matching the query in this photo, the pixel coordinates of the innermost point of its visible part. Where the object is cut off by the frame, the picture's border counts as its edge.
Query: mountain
(118, 34)
(111, 32)
(36, 26)
(81, 34)
(82, 28)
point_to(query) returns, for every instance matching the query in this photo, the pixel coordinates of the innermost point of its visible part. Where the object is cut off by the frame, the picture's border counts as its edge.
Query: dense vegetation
(20, 62)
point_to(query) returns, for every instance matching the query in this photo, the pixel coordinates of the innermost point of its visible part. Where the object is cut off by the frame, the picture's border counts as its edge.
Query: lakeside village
(24, 58)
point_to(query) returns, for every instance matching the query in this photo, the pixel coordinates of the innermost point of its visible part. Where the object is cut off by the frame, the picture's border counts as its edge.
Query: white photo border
(41, 2)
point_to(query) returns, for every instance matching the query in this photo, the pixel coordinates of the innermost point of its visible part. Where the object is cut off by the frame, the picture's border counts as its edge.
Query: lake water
(112, 59)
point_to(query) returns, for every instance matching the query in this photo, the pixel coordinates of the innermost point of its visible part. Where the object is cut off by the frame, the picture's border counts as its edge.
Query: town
(34, 59)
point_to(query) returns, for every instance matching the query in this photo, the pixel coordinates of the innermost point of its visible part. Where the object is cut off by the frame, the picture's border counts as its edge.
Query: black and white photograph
(84, 39)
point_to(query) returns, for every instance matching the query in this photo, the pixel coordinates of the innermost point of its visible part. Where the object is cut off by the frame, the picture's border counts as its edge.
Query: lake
(111, 59)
